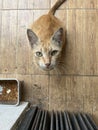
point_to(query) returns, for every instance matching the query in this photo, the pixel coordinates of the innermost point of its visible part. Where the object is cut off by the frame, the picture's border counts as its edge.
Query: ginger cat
(47, 38)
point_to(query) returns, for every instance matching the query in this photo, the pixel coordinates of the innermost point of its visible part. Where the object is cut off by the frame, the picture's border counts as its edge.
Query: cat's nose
(47, 64)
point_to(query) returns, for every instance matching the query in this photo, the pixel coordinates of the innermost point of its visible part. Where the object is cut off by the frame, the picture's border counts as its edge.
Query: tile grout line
(3, 9)
(49, 4)
(49, 91)
(76, 75)
(2, 5)
(17, 38)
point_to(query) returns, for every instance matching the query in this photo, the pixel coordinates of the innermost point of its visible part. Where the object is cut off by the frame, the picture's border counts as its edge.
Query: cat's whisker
(61, 67)
(56, 70)
(61, 62)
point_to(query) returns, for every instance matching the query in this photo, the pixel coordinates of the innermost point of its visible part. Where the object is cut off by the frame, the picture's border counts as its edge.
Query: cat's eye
(54, 52)
(39, 54)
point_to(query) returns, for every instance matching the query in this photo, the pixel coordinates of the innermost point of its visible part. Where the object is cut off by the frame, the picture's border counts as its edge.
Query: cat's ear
(32, 37)
(57, 36)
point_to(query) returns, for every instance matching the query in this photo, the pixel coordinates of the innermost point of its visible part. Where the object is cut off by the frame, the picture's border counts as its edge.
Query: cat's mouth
(47, 68)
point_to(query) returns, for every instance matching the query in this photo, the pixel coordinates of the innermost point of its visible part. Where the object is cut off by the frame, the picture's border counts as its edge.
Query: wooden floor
(75, 88)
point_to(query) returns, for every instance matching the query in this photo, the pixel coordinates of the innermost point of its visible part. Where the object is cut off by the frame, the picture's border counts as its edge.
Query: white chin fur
(47, 69)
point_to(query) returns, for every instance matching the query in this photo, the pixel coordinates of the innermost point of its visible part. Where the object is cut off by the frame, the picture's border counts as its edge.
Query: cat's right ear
(32, 37)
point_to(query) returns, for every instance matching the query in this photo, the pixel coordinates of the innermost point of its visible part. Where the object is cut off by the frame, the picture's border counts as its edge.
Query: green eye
(39, 54)
(54, 52)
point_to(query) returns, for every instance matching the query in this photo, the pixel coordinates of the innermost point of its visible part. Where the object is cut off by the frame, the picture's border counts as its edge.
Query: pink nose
(47, 64)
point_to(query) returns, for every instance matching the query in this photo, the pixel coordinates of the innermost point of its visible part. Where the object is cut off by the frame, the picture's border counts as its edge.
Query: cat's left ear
(32, 37)
(58, 37)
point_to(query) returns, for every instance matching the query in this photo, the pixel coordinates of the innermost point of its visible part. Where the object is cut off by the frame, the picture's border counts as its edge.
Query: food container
(9, 91)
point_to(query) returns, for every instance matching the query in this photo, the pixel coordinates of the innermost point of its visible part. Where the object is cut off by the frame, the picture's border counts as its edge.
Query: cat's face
(46, 57)
(46, 54)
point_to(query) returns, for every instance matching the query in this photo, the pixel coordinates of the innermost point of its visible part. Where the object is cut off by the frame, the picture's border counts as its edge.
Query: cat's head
(46, 55)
